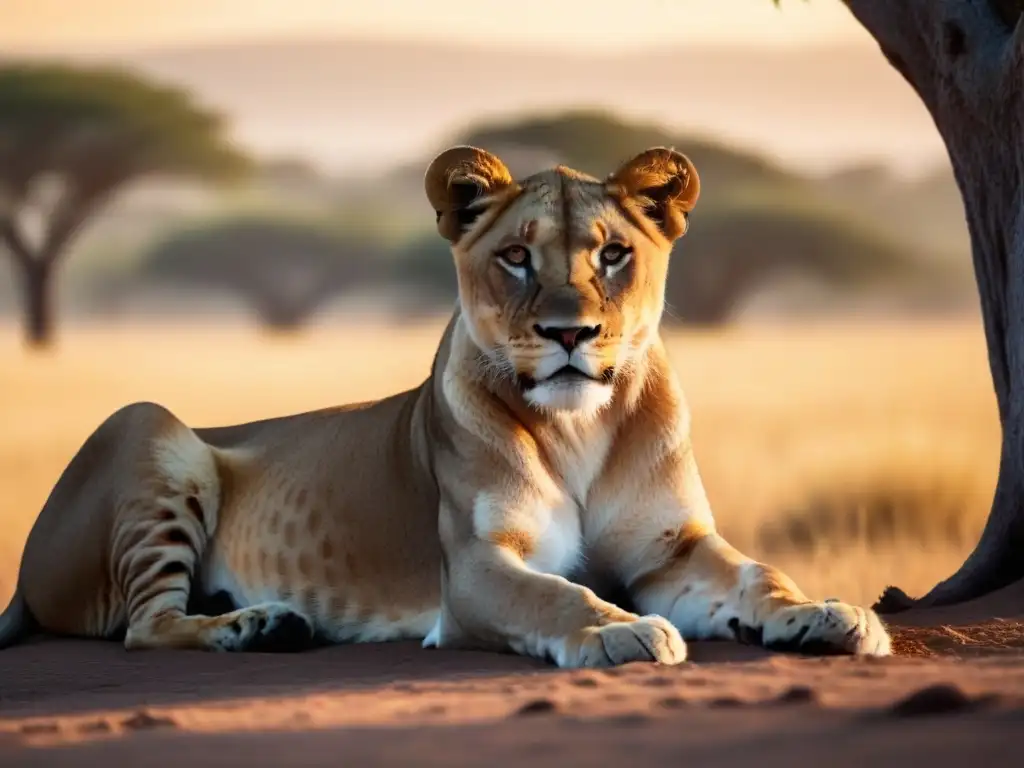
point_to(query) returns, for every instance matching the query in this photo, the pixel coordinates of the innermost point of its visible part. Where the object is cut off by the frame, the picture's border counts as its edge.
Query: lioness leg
(708, 589)
(492, 597)
(114, 549)
(116, 546)
(160, 533)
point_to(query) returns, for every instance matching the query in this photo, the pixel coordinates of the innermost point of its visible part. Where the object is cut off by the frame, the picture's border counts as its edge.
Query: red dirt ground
(954, 693)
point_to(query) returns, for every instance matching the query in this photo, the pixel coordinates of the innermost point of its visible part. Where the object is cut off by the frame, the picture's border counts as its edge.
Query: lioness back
(331, 513)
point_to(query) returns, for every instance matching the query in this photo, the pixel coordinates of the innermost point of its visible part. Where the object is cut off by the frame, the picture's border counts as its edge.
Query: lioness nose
(569, 337)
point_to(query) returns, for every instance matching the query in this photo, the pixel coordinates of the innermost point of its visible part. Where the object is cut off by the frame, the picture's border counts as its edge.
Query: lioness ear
(457, 183)
(663, 183)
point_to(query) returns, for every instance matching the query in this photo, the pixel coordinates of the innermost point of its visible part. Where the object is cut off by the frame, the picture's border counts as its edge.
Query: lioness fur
(549, 444)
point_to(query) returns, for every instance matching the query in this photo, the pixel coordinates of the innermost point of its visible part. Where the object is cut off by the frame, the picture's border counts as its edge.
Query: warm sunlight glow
(27, 25)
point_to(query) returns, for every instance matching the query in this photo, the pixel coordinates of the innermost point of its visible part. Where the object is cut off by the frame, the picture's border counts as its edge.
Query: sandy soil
(954, 692)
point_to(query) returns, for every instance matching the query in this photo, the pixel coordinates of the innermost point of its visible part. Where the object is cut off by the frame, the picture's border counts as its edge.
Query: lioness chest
(563, 519)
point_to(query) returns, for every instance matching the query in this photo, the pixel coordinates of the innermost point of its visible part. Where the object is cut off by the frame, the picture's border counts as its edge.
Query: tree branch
(12, 237)
(71, 212)
(67, 219)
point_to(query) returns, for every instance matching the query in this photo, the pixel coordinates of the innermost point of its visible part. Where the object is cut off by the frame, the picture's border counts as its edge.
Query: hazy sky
(32, 25)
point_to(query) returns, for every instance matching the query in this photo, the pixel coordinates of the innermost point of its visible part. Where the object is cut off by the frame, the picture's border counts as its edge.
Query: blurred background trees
(294, 241)
(70, 139)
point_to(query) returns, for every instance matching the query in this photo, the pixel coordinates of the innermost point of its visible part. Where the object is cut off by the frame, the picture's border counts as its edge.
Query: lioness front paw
(826, 628)
(266, 628)
(648, 638)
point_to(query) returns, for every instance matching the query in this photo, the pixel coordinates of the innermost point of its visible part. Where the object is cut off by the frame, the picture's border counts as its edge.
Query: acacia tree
(965, 60)
(69, 140)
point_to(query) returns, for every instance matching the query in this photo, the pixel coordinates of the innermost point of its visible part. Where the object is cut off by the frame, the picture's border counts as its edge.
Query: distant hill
(366, 103)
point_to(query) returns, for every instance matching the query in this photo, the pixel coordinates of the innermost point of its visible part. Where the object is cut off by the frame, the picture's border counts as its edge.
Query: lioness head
(561, 275)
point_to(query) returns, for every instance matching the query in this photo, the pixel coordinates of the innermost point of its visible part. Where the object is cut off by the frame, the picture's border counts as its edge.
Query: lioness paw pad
(825, 628)
(649, 638)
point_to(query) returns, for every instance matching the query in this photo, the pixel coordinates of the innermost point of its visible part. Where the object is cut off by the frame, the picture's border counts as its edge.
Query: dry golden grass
(853, 456)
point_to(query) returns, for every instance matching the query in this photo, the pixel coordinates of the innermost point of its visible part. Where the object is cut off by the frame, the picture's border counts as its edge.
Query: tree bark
(35, 276)
(38, 265)
(36, 273)
(965, 59)
(38, 304)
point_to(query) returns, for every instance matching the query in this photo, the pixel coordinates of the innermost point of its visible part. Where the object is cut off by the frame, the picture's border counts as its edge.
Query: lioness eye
(614, 254)
(516, 255)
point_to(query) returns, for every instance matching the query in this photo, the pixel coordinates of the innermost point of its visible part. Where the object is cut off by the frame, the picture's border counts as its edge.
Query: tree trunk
(965, 59)
(38, 303)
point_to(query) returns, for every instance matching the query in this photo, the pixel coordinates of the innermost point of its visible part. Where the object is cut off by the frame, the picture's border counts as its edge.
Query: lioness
(550, 435)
